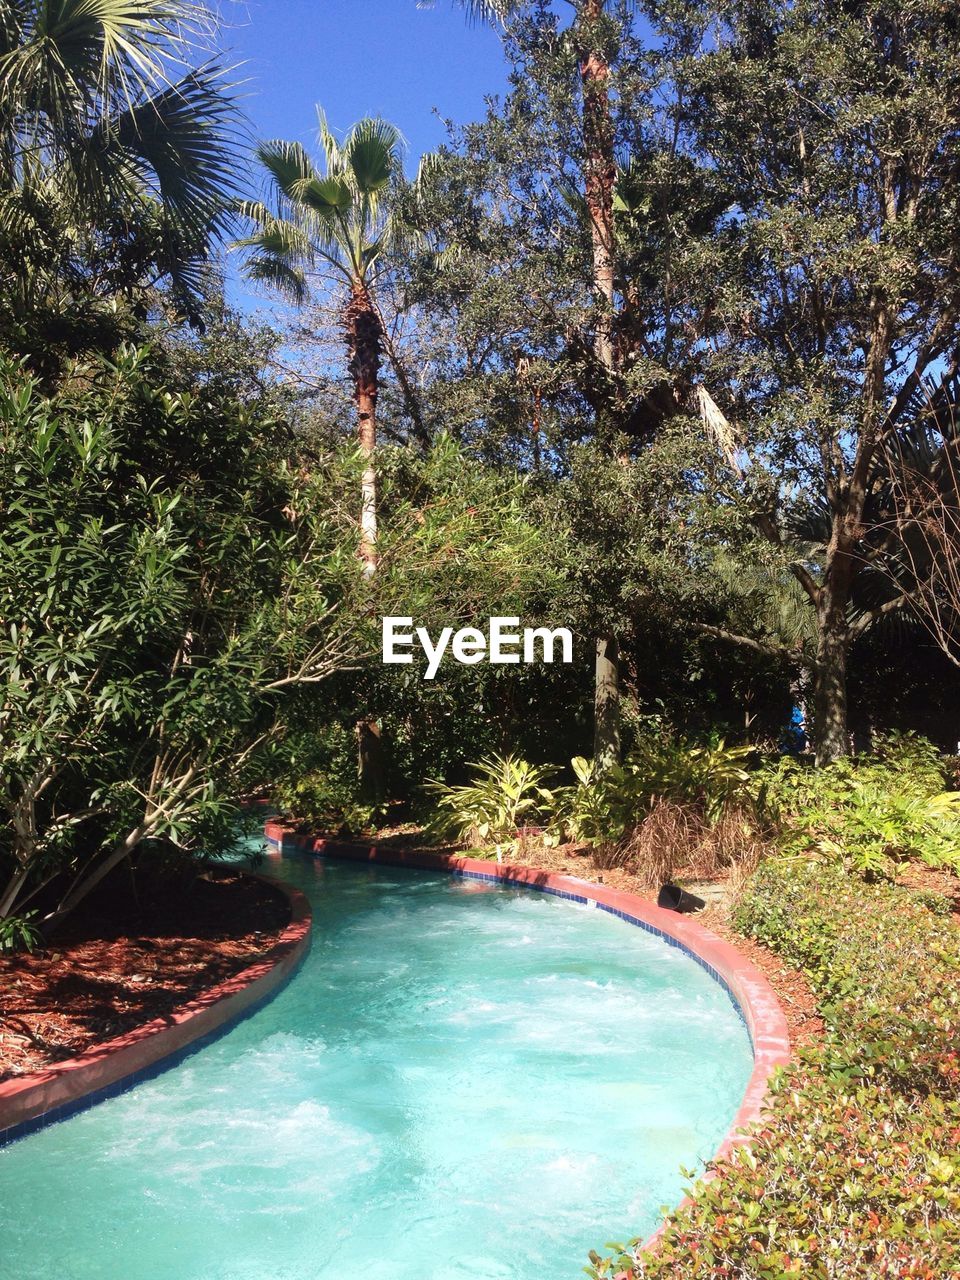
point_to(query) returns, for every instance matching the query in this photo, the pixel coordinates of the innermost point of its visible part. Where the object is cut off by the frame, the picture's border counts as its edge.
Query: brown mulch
(122, 964)
(794, 992)
(916, 876)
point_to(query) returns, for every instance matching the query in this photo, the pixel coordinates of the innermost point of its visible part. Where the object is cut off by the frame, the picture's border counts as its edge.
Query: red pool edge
(747, 986)
(27, 1102)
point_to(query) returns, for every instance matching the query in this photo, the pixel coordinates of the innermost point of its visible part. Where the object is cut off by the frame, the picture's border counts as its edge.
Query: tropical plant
(602, 807)
(867, 813)
(118, 160)
(710, 776)
(490, 811)
(606, 804)
(342, 223)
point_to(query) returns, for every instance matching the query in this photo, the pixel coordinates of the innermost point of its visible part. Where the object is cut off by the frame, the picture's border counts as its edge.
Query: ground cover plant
(854, 1171)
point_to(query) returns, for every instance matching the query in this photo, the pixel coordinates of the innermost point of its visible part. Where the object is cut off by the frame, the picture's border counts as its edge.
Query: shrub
(665, 806)
(601, 807)
(711, 776)
(506, 794)
(320, 783)
(853, 1173)
(670, 838)
(156, 606)
(867, 813)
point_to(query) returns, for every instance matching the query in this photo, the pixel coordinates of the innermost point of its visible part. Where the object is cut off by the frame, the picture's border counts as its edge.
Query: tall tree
(339, 226)
(599, 179)
(834, 289)
(592, 40)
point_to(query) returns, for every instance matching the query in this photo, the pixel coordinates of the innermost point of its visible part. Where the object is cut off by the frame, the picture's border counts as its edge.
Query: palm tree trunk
(364, 336)
(599, 177)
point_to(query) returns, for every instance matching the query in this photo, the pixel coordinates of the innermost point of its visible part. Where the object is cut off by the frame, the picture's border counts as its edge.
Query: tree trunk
(364, 337)
(600, 172)
(606, 704)
(599, 177)
(371, 762)
(830, 691)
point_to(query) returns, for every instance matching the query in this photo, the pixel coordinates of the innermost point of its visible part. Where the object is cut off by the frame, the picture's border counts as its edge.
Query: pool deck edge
(31, 1102)
(748, 988)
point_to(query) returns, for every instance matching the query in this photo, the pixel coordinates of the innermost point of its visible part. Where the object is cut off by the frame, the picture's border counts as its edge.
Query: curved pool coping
(746, 986)
(31, 1102)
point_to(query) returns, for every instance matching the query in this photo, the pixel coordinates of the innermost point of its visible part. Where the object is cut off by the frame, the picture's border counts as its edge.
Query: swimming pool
(463, 1080)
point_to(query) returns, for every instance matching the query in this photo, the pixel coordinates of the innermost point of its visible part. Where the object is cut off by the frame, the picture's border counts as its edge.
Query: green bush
(326, 793)
(603, 808)
(867, 813)
(854, 1172)
(158, 608)
(505, 794)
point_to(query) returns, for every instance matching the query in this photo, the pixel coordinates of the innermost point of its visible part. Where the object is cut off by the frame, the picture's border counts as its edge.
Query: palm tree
(108, 134)
(342, 224)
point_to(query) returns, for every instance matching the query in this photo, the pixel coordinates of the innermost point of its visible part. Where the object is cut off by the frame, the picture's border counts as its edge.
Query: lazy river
(462, 1080)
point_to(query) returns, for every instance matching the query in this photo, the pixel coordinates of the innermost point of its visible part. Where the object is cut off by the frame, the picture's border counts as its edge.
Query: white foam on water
(455, 1086)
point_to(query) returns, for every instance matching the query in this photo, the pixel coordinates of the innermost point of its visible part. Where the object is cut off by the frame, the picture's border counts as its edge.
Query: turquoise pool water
(463, 1080)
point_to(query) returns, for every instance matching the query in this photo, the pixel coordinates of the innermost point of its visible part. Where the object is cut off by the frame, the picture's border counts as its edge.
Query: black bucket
(674, 898)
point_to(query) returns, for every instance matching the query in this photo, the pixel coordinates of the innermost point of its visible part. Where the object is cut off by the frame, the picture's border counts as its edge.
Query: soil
(920, 878)
(125, 962)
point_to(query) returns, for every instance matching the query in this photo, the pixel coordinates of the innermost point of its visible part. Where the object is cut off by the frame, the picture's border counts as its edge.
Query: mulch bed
(122, 964)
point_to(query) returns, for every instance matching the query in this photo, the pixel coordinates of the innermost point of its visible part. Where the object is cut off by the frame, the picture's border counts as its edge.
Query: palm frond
(186, 146)
(68, 57)
(332, 152)
(281, 238)
(488, 11)
(255, 211)
(290, 282)
(371, 150)
(325, 195)
(344, 214)
(288, 165)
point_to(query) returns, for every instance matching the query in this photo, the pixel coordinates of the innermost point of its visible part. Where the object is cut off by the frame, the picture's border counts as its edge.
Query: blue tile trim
(384, 860)
(69, 1109)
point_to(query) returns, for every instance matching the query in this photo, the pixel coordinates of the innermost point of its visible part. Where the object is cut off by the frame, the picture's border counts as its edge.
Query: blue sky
(358, 58)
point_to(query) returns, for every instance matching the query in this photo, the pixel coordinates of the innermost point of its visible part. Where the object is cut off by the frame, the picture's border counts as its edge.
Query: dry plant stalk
(675, 837)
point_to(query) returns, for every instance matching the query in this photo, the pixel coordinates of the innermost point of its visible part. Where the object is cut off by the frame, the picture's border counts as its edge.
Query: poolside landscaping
(127, 962)
(480, 640)
(852, 1171)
